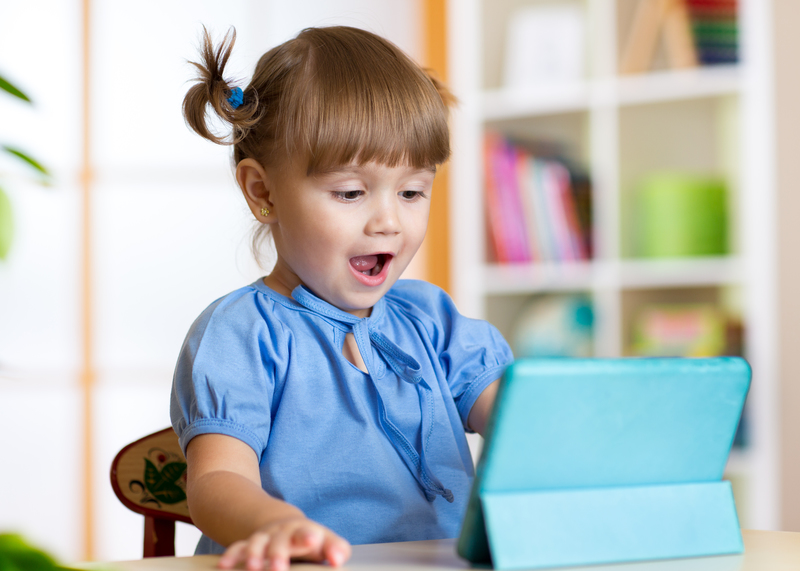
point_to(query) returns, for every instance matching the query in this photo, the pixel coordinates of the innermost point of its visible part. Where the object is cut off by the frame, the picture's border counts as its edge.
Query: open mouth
(370, 265)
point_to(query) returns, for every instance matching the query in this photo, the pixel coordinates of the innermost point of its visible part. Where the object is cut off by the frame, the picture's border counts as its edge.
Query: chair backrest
(149, 477)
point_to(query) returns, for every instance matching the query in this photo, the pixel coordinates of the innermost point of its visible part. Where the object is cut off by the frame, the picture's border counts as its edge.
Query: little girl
(326, 404)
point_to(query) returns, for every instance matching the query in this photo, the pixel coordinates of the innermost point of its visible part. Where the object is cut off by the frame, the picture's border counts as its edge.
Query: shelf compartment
(681, 138)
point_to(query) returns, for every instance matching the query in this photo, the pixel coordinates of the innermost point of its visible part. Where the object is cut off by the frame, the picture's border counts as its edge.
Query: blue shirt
(376, 457)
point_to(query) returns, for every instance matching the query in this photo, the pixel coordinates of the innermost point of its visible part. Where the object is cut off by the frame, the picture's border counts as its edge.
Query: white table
(764, 551)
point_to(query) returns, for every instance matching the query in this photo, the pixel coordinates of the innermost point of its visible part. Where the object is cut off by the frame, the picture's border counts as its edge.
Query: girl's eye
(348, 195)
(412, 195)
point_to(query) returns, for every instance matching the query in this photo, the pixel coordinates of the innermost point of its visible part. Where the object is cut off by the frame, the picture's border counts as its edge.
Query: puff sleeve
(224, 378)
(472, 352)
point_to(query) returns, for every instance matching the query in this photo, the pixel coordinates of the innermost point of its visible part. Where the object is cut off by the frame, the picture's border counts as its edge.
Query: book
(503, 202)
(492, 199)
(556, 181)
(534, 211)
(516, 232)
(716, 30)
(694, 32)
(582, 198)
(527, 189)
(567, 202)
(544, 224)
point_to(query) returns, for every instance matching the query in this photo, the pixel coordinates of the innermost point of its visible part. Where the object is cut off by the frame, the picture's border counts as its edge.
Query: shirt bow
(405, 367)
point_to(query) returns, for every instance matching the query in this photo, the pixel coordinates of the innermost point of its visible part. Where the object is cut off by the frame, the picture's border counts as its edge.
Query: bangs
(362, 100)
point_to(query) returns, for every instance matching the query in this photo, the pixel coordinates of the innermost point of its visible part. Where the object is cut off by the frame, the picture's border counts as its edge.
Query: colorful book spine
(516, 213)
(560, 231)
(526, 190)
(543, 226)
(534, 211)
(509, 198)
(504, 204)
(492, 198)
(716, 30)
(566, 201)
(581, 191)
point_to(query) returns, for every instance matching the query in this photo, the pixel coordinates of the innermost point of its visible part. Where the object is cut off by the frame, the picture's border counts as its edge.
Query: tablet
(560, 424)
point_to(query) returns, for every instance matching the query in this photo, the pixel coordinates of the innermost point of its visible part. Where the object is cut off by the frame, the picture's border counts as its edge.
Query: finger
(233, 555)
(336, 550)
(254, 551)
(307, 542)
(278, 551)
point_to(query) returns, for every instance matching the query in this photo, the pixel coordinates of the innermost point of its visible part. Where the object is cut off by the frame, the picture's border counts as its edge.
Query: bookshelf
(709, 119)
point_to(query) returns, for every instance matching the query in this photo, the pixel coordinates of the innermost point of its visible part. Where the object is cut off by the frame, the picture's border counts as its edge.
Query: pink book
(494, 214)
(513, 217)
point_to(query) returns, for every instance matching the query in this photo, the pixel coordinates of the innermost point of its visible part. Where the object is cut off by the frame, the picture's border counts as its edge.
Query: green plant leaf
(5, 85)
(162, 484)
(27, 159)
(16, 553)
(6, 225)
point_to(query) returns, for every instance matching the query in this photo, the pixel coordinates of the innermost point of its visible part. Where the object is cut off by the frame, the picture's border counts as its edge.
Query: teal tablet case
(590, 461)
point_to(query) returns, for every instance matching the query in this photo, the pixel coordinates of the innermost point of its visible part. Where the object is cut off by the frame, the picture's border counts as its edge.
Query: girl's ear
(257, 188)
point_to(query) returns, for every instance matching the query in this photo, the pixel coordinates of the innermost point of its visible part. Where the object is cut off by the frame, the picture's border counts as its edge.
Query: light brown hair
(329, 97)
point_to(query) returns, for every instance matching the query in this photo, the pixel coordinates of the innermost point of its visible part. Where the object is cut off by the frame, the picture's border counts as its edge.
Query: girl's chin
(361, 304)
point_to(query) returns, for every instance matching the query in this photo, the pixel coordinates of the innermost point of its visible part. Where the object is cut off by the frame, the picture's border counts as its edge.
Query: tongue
(364, 263)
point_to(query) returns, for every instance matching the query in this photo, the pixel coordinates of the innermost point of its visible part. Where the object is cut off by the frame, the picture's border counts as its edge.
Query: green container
(682, 215)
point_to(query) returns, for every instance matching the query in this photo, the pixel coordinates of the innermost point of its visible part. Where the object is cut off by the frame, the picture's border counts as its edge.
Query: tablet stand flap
(585, 526)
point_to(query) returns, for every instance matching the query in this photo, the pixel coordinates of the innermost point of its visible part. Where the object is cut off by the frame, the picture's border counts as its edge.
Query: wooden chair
(149, 477)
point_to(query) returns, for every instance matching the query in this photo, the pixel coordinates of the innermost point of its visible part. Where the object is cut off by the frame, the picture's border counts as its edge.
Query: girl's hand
(273, 546)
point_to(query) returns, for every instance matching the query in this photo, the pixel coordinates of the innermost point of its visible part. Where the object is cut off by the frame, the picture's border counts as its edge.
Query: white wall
(170, 235)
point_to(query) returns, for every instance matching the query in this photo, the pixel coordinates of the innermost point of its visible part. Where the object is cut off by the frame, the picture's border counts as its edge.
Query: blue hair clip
(236, 98)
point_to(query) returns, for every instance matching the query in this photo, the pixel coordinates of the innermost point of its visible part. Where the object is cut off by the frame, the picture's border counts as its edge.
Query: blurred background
(621, 185)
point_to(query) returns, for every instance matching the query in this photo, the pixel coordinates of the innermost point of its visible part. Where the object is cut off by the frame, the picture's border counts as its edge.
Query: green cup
(681, 215)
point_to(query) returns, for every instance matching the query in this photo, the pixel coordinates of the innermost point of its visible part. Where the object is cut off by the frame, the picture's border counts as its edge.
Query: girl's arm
(227, 503)
(479, 414)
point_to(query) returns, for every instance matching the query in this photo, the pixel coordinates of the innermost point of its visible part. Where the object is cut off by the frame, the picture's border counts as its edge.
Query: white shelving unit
(712, 119)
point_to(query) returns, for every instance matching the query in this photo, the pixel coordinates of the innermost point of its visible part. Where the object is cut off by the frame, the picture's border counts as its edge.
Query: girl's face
(349, 233)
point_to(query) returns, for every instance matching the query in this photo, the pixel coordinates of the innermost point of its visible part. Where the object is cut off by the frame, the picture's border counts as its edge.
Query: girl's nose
(384, 218)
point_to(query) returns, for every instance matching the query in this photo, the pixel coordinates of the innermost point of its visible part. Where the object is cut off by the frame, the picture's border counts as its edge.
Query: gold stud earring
(265, 212)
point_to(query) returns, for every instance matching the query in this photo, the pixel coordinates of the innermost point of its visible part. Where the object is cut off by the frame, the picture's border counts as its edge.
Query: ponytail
(212, 89)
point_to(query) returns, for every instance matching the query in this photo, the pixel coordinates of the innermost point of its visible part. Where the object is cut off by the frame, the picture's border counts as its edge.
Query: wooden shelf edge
(534, 278)
(681, 272)
(580, 96)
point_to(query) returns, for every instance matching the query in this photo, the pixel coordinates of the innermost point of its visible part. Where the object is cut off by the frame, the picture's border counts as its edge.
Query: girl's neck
(275, 283)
